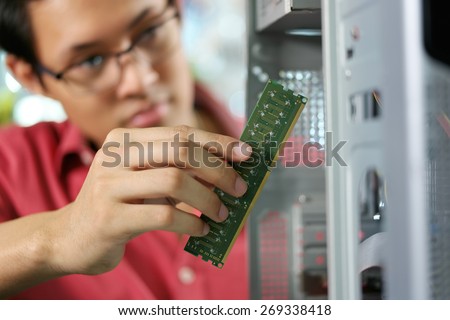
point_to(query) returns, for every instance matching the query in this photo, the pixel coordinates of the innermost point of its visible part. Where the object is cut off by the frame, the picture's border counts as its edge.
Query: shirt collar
(72, 142)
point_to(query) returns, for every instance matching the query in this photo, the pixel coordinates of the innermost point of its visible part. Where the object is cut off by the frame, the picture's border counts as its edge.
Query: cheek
(83, 108)
(185, 92)
(77, 105)
(176, 73)
(92, 116)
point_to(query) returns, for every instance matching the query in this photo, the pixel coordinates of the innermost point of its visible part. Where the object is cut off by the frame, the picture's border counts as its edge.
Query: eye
(148, 34)
(92, 62)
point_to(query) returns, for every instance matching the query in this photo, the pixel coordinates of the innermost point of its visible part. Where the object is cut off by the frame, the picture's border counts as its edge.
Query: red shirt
(43, 168)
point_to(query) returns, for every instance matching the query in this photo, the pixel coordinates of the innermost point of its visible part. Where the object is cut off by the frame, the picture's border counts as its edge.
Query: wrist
(48, 247)
(27, 252)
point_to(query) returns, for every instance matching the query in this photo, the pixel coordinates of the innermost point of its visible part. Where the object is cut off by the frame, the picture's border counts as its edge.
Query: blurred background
(214, 37)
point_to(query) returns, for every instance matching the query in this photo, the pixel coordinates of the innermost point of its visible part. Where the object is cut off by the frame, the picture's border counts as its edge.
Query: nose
(136, 78)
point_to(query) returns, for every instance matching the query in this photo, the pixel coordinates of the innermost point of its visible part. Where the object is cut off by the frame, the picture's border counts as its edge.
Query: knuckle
(222, 177)
(99, 158)
(102, 161)
(182, 131)
(175, 180)
(227, 181)
(217, 179)
(214, 202)
(214, 147)
(166, 217)
(182, 156)
(115, 135)
(197, 228)
(101, 185)
(112, 151)
(214, 162)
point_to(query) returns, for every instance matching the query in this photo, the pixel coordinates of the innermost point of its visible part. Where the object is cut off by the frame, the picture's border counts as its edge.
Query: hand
(131, 188)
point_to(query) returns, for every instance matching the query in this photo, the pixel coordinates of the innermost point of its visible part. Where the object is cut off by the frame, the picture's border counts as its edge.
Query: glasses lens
(157, 43)
(102, 73)
(89, 77)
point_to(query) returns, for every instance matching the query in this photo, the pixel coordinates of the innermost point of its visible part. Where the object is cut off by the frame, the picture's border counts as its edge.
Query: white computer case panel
(400, 150)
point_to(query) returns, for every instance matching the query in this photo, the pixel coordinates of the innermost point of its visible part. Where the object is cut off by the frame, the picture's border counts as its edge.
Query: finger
(216, 172)
(204, 165)
(171, 183)
(223, 146)
(143, 218)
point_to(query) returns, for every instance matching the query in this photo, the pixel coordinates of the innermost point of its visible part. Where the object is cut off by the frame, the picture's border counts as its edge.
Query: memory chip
(268, 127)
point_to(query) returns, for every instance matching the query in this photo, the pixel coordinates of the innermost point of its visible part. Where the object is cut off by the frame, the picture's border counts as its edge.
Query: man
(100, 207)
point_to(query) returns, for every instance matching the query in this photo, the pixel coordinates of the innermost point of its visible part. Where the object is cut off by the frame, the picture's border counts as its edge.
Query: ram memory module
(268, 127)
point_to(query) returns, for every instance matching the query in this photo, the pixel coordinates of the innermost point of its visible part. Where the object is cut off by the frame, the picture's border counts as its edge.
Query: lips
(149, 117)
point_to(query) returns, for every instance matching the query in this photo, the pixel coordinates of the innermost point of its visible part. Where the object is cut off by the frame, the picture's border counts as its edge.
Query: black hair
(16, 35)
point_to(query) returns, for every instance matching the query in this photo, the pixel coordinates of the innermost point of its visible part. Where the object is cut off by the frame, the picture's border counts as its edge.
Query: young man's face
(83, 33)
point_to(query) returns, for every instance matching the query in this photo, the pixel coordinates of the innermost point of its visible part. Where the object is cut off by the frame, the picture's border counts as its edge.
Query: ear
(24, 73)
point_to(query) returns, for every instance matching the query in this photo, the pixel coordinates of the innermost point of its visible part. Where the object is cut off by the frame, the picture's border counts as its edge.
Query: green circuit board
(268, 127)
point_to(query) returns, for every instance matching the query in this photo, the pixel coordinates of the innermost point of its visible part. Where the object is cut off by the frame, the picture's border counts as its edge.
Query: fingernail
(223, 212)
(205, 229)
(240, 186)
(243, 150)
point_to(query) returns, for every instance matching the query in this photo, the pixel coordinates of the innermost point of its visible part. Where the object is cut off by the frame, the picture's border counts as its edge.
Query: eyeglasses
(100, 73)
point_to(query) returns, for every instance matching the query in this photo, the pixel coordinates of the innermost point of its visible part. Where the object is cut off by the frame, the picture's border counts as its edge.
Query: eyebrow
(139, 18)
(134, 22)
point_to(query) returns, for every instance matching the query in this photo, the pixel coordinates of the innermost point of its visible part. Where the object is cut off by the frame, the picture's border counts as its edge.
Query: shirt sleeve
(5, 208)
